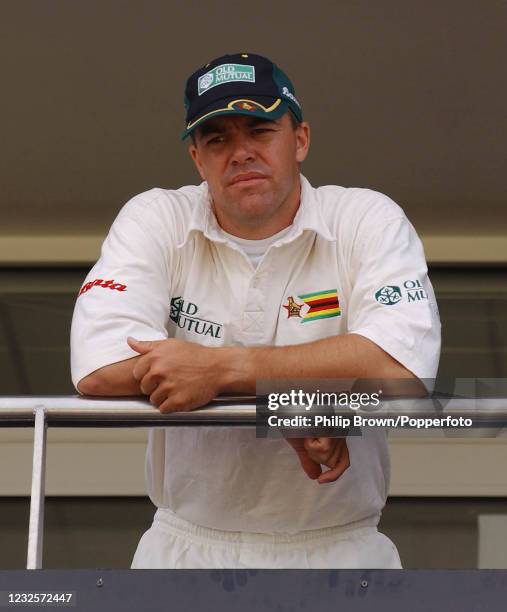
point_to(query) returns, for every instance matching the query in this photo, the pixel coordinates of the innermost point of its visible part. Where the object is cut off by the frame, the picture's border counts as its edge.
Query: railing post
(36, 527)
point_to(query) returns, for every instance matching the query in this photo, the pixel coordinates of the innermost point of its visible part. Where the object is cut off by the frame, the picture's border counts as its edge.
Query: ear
(194, 154)
(302, 141)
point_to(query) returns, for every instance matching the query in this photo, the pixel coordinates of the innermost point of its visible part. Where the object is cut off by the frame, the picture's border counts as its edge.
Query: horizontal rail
(76, 411)
(79, 411)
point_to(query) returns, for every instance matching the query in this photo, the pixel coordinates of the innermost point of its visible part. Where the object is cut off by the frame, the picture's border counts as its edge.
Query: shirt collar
(308, 217)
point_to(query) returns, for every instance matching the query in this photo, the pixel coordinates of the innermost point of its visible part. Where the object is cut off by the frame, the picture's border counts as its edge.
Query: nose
(242, 149)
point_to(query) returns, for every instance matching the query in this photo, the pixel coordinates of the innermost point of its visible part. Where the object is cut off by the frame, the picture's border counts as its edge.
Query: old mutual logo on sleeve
(226, 73)
(411, 291)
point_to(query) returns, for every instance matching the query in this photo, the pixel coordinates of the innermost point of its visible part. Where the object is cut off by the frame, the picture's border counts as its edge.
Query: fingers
(330, 458)
(158, 396)
(330, 452)
(314, 452)
(167, 401)
(140, 371)
(343, 463)
(176, 403)
(141, 346)
(310, 467)
(324, 450)
(142, 366)
(320, 445)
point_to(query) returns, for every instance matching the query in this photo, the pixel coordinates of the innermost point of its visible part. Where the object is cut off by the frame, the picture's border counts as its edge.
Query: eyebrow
(212, 128)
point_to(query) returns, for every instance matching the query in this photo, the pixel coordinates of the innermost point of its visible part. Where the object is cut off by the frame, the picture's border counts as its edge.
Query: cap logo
(248, 106)
(226, 73)
(290, 95)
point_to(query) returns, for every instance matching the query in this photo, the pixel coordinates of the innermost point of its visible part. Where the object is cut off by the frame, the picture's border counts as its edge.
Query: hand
(177, 375)
(314, 452)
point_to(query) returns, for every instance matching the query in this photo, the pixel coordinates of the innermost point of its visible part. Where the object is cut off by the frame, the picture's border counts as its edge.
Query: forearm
(114, 380)
(348, 356)
(237, 369)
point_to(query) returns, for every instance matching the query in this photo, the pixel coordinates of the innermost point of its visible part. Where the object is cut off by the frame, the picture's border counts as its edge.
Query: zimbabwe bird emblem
(293, 309)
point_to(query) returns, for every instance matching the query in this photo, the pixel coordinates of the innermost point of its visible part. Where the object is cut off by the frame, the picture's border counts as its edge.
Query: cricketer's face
(252, 170)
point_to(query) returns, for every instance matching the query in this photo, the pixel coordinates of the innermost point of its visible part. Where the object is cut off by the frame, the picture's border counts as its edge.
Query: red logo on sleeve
(108, 284)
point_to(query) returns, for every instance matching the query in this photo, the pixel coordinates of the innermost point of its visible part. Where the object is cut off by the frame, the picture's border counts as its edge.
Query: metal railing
(78, 411)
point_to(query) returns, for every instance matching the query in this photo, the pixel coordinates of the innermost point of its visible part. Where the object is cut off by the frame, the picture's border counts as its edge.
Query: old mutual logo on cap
(226, 73)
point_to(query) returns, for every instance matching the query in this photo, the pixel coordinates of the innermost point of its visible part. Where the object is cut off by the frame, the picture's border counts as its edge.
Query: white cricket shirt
(167, 270)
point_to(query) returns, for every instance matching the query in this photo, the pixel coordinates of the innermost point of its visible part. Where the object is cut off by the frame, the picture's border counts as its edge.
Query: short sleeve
(392, 300)
(125, 294)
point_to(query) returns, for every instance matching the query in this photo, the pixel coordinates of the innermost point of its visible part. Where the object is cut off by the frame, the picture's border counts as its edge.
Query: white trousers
(173, 543)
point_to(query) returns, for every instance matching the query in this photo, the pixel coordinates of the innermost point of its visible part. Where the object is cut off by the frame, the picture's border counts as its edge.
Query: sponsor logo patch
(290, 95)
(411, 291)
(388, 295)
(225, 73)
(184, 314)
(107, 284)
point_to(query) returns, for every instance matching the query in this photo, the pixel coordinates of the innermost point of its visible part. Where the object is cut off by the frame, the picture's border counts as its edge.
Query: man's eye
(215, 140)
(262, 130)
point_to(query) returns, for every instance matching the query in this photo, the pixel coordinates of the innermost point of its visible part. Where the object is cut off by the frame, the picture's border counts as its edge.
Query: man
(255, 275)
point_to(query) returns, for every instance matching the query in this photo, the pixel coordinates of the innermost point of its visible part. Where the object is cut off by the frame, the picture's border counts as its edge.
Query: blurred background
(407, 98)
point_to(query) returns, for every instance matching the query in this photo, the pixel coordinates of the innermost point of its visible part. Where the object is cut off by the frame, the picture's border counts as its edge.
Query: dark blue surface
(271, 590)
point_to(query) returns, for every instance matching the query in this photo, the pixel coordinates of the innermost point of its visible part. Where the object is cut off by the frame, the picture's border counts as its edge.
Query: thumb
(140, 346)
(320, 445)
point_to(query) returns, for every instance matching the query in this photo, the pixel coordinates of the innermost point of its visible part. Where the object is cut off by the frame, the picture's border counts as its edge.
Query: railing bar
(36, 525)
(79, 411)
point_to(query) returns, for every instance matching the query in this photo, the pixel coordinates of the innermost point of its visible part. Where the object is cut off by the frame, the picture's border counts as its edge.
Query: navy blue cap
(239, 84)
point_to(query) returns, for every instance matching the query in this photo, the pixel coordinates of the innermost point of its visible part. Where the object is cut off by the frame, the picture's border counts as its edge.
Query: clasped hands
(180, 376)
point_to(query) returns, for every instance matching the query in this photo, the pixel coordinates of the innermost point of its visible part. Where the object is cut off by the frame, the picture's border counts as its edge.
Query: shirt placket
(253, 318)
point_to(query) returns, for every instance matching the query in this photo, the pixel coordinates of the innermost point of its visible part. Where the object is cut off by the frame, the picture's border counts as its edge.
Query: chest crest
(313, 306)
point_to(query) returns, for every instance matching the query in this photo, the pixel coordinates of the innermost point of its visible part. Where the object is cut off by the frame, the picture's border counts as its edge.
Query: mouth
(247, 178)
